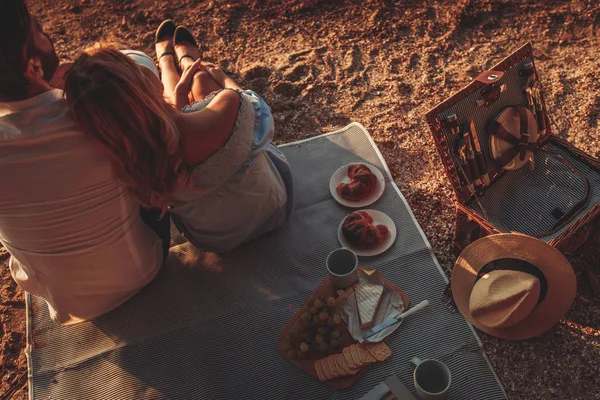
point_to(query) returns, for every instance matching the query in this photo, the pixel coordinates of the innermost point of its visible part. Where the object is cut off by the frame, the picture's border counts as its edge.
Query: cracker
(326, 369)
(356, 356)
(354, 371)
(320, 371)
(380, 351)
(342, 364)
(333, 366)
(348, 357)
(365, 356)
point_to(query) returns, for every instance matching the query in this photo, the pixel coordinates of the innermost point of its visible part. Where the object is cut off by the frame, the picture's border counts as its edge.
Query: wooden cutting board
(325, 288)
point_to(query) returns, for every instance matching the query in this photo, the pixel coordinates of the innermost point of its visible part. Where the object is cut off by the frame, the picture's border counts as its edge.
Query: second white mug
(432, 378)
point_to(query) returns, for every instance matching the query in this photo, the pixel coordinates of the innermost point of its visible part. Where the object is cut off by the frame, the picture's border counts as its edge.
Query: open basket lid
(501, 90)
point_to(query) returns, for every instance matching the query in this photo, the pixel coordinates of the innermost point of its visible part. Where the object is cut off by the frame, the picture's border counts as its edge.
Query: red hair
(113, 103)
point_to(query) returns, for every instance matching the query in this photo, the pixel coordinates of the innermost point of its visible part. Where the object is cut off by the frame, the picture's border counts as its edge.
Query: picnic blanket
(208, 330)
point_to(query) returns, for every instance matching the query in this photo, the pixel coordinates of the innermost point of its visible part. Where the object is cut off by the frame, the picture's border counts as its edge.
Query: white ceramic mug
(342, 265)
(432, 378)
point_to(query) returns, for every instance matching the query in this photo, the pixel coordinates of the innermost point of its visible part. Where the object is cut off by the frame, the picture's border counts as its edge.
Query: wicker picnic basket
(553, 193)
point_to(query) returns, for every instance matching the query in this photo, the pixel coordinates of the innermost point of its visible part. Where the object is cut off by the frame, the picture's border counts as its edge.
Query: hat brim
(562, 284)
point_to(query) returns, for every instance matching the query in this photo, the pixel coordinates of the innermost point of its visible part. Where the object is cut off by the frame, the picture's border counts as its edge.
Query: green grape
(319, 338)
(330, 302)
(318, 303)
(305, 317)
(335, 334)
(303, 347)
(323, 347)
(337, 318)
(323, 315)
(334, 342)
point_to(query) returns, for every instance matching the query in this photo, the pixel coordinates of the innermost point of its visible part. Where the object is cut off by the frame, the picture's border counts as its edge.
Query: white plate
(379, 218)
(499, 146)
(341, 176)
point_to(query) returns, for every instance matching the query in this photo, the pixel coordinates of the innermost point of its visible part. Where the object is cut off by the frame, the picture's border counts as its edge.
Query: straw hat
(513, 286)
(510, 120)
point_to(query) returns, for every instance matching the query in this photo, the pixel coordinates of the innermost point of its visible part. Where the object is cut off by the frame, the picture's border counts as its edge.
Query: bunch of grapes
(318, 333)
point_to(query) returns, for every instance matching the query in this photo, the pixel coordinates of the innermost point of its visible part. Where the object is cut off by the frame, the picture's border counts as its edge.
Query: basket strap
(520, 145)
(524, 140)
(575, 208)
(498, 130)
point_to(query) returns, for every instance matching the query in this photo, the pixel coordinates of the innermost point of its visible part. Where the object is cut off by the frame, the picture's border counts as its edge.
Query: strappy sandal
(183, 35)
(166, 28)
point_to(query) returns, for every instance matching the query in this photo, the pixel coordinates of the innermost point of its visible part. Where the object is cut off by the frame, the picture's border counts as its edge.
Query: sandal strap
(185, 56)
(166, 53)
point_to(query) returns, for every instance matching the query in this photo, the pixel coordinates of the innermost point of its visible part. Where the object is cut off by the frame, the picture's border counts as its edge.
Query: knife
(532, 90)
(471, 162)
(452, 124)
(479, 157)
(375, 330)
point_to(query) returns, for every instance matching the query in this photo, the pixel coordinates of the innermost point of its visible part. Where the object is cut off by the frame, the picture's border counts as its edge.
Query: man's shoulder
(44, 114)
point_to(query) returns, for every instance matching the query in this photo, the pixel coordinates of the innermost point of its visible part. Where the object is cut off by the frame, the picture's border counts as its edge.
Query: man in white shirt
(74, 232)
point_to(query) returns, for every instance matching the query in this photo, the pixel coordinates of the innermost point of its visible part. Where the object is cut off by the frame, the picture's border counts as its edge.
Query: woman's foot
(163, 42)
(165, 54)
(187, 52)
(186, 47)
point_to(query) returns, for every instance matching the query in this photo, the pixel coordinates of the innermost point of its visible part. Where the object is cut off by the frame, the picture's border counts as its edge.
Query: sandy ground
(321, 64)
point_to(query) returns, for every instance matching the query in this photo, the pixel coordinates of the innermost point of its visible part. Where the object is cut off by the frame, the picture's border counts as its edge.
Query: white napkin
(391, 306)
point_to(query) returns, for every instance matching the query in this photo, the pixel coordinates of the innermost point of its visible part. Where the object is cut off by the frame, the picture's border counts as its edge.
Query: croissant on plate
(362, 183)
(359, 231)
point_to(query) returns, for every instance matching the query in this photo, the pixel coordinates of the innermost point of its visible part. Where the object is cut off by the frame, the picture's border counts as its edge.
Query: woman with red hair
(212, 164)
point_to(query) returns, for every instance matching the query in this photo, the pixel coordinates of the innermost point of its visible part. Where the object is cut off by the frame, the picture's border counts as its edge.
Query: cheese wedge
(368, 297)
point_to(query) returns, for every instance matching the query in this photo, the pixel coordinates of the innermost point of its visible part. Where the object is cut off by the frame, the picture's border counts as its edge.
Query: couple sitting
(84, 170)
(211, 162)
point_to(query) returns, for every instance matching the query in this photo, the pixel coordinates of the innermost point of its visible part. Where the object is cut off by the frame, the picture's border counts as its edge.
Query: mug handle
(414, 362)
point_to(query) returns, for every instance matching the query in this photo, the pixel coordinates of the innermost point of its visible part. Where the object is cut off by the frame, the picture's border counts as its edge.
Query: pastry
(359, 231)
(362, 183)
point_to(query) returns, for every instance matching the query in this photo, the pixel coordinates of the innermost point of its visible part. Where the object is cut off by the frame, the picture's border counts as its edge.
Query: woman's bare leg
(203, 84)
(168, 71)
(168, 75)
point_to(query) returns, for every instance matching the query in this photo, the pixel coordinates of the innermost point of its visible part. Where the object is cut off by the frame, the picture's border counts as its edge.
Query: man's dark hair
(15, 48)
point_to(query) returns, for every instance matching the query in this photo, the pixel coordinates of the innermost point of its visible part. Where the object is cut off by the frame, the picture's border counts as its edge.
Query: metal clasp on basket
(490, 94)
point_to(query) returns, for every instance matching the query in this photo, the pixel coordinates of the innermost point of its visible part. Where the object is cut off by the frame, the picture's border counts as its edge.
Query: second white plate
(341, 176)
(379, 218)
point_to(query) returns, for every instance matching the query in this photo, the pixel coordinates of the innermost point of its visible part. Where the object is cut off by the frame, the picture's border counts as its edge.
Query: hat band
(516, 264)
